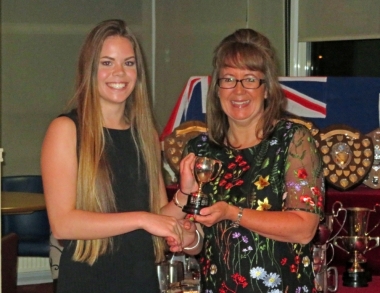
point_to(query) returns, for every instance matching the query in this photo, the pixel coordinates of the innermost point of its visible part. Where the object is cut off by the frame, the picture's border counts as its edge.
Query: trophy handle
(377, 243)
(335, 215)
(374, 227)
(332, 253)
(334, 286)
(216, 173)
(337, 244)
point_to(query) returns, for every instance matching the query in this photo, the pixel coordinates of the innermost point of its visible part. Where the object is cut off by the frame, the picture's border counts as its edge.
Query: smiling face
(117, 72)
(242, 106)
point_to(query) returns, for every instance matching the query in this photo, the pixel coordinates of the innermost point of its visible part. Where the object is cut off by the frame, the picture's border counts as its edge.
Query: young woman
(101, 172)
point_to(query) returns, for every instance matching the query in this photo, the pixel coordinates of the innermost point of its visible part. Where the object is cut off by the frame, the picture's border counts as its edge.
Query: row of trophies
(352, 236)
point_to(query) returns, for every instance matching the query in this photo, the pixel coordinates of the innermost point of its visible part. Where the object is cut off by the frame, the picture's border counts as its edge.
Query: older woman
(269, 196)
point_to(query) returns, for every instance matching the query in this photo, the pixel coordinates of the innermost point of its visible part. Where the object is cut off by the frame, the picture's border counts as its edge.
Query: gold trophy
(357, 243)
(205, 170)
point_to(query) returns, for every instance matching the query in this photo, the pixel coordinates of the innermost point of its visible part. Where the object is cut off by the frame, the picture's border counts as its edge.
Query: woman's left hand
(188, 234)
(214, 214)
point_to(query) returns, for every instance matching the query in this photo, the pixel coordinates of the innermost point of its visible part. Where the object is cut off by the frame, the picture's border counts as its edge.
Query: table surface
(21, 202)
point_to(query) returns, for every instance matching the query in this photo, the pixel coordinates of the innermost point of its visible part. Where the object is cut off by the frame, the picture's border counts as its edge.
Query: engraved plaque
(347, 155)
(372, 179)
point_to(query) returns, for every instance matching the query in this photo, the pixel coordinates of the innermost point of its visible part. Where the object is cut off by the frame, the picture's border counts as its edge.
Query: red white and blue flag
(354, 101)
(300, 103)
(191, 104)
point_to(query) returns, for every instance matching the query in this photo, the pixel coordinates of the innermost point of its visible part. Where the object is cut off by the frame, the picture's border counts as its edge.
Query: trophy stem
(356, 267)
(200, 187)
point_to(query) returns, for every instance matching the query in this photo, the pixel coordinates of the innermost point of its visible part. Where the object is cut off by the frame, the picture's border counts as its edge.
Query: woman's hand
(215, 213)
(188, 233)
(164, 226)
(186, 169)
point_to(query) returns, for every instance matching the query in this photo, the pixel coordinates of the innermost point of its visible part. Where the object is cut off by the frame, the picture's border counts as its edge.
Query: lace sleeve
(303, 176)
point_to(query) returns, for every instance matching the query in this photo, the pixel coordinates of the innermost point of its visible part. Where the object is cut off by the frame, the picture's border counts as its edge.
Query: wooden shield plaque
(347, 155)
(373, 177)
(176, 141)
(308, 124)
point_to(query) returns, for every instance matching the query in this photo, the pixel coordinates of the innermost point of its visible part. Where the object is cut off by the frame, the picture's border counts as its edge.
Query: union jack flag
(354, 101)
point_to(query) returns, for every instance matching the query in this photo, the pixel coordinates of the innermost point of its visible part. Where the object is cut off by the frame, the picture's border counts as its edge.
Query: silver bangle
(175, 199)
(237, 222)
(196, 244)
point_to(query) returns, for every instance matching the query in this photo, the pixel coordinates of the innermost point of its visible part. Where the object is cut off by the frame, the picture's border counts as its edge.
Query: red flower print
(229, 186)
(242, 163)
(245, 168)
(297, 259)
(235, 171)
(231, 166)
(305, 198)
(238, 158)
(302, 173)
(283, 261)
(239, 280)
(293, 268)
(224, 288)
(239, 182)
(222, 182)
(228, 176)
(315, 190)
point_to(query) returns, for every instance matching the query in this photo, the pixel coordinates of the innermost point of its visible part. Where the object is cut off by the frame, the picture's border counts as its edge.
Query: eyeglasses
(248, 83)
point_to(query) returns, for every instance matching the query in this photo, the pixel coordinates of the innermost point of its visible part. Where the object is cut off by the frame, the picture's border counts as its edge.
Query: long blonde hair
(94, 188)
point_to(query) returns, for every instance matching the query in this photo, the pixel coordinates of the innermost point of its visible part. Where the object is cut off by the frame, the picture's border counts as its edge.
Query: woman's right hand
(186, 169)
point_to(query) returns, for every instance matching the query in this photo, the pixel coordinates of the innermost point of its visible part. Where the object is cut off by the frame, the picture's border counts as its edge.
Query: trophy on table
(356, 243)
(205, 170)
(321, 242)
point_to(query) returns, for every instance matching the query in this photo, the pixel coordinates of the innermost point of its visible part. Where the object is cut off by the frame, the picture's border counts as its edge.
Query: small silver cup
(327, 280)
(205, 170)
(163, 276)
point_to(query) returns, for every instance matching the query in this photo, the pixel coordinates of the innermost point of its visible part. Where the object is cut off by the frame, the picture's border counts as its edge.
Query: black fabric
(130, 267)
(238, 259)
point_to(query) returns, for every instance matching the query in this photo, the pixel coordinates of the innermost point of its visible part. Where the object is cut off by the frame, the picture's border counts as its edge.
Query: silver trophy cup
(356, 243)
(205, 171)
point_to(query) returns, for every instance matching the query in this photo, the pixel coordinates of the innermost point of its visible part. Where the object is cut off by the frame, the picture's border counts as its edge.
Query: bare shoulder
(62, 123)
(62, 126)
(61, 131)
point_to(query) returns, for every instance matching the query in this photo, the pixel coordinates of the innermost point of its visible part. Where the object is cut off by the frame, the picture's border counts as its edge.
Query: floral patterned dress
(281, 173)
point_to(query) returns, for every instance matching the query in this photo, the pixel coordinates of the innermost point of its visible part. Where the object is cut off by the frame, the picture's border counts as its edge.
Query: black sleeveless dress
(130, 267)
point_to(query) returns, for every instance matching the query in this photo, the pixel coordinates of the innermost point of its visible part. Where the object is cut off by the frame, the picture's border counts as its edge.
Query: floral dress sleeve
(303, 176)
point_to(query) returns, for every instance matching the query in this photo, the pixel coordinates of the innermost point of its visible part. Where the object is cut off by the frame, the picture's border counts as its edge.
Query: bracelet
(175, 199)
(196, 244)
(237, 222)
(188, 194)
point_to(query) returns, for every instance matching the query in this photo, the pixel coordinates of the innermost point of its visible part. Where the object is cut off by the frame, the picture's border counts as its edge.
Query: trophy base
(194, 204)
(191, 210)
(364, 265)
(356, 280)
